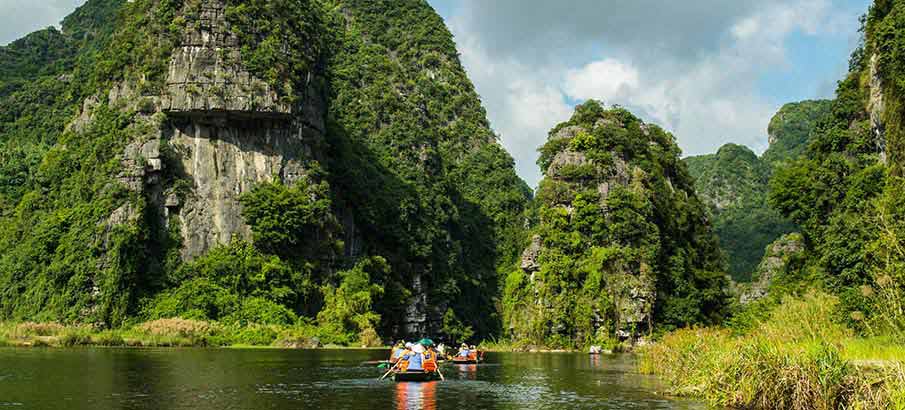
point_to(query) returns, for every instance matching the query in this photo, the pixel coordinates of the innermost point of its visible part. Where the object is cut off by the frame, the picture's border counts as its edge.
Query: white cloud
(20, 17)
(695, 74)
(608, 77)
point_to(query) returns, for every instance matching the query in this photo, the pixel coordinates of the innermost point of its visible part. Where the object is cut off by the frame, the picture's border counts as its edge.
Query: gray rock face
(877, 107)
(223, 162)
(206, 75)
(226, 131)
(564, 159)
(774, 263)
(230, 131)
(529, 261)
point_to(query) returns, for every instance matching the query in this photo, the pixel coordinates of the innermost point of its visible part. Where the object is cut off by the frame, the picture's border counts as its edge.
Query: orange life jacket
(430, 361)
(403, 363)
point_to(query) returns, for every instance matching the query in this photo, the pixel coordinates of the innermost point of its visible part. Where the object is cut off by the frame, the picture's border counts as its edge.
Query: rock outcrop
(229, 130)
(777, 258)
(590, 272)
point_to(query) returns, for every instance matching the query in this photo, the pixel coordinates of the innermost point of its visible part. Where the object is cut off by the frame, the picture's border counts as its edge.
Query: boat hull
(416, 376)
(465, 361)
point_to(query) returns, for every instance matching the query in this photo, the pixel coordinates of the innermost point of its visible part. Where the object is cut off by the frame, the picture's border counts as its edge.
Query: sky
(709, 71)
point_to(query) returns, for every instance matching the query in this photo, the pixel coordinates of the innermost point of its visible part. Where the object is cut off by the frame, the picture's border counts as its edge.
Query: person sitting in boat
(430, 358)
(464, 351)
(473, 353)
(397, 351)
(413, 360)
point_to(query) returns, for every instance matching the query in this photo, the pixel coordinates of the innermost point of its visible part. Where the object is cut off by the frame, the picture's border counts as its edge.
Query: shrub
(75, 337)
(27, 329)
(108, 338)
(177, 327)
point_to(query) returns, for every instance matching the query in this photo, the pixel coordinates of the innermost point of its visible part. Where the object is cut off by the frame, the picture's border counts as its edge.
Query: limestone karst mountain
(162, 137)
(622, 241)
(734, 184)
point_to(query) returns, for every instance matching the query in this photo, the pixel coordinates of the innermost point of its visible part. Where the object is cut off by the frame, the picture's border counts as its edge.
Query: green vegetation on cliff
(415, 159)
(734, 182)
(790, 130)
(841, 346)
(622, 244)
(407, 200)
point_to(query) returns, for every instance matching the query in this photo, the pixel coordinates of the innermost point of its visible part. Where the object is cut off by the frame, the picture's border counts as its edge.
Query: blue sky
(710, 71)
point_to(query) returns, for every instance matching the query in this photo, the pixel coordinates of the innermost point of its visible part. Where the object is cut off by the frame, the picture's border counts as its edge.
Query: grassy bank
(173, 332)
(798, 358)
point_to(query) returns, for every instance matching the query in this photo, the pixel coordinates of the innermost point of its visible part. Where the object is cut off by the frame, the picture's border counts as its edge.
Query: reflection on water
(215, 379)
(467, 371)
(416, 396)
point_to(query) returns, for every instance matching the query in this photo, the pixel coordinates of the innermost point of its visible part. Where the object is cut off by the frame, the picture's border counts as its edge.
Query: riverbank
(175, 332)
(798, 358)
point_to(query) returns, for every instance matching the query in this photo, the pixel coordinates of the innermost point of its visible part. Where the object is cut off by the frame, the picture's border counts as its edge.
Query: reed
(798, 359)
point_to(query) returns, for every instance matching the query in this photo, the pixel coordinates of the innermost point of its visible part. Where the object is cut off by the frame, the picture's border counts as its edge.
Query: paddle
(440, 373)
(389, 371)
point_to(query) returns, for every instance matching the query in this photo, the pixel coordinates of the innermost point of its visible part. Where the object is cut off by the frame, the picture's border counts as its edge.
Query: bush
(75, 337)
(107, 338)
(27, 329)
(177, 327)
(261, 311)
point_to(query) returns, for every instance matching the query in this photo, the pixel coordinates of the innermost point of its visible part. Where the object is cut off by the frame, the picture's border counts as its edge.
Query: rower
(397, 351)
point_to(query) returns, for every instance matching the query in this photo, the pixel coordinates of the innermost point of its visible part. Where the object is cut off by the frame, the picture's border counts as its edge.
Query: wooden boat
(416, 376)
(465, 360)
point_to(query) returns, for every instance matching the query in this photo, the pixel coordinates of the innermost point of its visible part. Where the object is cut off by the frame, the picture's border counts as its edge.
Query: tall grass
(797, 359)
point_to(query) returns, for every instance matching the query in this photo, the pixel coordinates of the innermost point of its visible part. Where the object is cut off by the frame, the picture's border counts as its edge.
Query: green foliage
(348, 309)
(414, 160)
(281, 40)
(627, 224)
(291, 221)
(790, 129)
(236, 284)
(734, 183)
(455, 329)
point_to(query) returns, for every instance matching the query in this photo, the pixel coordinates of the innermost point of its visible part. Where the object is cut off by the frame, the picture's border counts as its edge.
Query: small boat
(416, 376)
(465, 360)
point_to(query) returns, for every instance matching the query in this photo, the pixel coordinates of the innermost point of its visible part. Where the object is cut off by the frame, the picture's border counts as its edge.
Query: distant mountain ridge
(734, 182)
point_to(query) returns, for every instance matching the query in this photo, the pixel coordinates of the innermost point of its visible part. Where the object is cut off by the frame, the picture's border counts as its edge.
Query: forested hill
(622, 244)
(734, 183)
(846, 193)
(320, 165)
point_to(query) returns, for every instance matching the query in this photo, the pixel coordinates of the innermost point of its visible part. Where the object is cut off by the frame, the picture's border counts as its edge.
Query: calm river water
(219, 379)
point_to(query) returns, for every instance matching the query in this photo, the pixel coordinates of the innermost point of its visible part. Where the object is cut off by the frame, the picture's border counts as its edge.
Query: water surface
(219, 379)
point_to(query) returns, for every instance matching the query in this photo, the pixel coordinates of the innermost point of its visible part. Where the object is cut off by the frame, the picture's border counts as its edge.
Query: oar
(440, 373)
(389, 371)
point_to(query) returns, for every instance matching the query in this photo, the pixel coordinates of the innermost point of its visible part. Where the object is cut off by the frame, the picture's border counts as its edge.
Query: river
(219, 379)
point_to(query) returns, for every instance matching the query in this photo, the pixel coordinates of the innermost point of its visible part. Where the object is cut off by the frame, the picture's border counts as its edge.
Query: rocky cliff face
(225, 131)
(784, 254)
(617, 208)
(231, 131)
(187, 106)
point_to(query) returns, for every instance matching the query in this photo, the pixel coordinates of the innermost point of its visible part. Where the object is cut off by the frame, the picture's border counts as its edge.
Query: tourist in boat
(473, 353)
(397, 351)
(414, 359)
(464, 351)
(430, 359)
